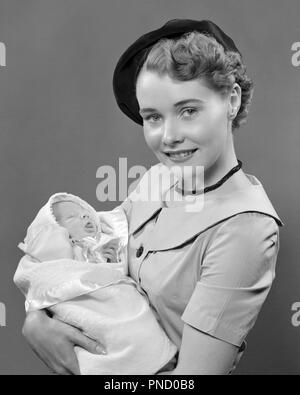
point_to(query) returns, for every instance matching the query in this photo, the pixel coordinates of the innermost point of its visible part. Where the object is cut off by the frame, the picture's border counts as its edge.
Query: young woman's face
(185, 122)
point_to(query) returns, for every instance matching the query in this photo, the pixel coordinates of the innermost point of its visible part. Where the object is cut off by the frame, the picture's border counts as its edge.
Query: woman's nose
(171, 135)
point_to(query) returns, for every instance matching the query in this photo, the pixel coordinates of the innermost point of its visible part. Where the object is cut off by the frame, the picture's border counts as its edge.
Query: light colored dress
(211, 269)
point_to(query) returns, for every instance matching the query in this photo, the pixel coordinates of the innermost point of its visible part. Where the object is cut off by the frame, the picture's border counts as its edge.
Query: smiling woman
(208, 272)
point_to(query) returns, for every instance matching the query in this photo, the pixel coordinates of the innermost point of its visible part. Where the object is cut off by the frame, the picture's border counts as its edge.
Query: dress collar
(174, 226)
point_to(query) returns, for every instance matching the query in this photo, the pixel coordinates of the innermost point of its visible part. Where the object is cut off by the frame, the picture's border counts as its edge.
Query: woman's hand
(53, 342)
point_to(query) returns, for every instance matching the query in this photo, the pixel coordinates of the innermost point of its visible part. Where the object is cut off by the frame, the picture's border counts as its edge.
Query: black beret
(124, 77)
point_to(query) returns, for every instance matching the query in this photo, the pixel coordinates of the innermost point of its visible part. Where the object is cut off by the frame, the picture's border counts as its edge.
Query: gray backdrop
(59, 123)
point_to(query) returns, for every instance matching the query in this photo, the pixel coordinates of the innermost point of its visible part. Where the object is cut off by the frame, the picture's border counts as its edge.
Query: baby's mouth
(90, 228)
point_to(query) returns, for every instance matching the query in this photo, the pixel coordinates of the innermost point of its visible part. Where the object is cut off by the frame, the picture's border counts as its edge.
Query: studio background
(59, 123)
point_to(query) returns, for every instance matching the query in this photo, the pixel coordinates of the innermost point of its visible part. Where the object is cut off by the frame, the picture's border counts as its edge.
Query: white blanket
(100, 299)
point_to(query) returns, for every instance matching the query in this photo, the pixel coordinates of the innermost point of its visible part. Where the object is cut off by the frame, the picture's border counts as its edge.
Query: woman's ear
(234, 102)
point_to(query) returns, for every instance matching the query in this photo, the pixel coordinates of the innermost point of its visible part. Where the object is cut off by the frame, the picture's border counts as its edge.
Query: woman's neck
(214, 173)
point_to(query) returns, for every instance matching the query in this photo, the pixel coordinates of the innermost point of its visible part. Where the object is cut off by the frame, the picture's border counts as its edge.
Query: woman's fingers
(70, 365)
(90, 345)
(65, 361)
(52, 341)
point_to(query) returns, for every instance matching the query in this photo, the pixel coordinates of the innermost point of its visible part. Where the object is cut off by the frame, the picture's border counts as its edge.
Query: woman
(206, 272)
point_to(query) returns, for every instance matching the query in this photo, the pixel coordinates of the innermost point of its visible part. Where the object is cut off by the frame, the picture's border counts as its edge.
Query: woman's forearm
(202, 354)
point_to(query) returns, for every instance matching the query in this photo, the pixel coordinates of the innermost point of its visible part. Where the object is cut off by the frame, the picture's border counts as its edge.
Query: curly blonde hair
(197, 55)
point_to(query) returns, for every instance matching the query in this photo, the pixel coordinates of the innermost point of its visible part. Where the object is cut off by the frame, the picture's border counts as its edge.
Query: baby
(85, 233)
(75, 265)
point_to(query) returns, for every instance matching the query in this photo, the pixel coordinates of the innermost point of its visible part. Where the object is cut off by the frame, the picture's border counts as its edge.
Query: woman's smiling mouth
(180, 155)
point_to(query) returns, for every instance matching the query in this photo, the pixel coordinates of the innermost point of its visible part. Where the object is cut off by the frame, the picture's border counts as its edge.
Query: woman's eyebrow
(147, 110)
(176, 105)
(188, 101)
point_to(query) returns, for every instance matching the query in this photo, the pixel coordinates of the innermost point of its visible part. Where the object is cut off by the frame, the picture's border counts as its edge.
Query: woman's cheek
(196, 133)
(152, 138)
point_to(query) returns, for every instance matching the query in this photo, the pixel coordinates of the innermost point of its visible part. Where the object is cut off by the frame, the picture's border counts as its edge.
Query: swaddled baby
(85, 233)
(75, 265)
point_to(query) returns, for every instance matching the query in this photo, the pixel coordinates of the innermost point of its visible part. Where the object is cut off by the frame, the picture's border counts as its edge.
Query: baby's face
(75, 219)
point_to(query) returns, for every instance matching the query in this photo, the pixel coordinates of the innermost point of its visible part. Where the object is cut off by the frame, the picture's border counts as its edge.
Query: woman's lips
(180, 155)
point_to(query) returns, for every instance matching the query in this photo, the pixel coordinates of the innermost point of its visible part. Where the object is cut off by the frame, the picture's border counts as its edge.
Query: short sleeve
(237, 272)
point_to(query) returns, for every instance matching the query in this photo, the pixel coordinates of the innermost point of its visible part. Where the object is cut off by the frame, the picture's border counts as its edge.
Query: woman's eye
(189, 112)
(153, 118)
